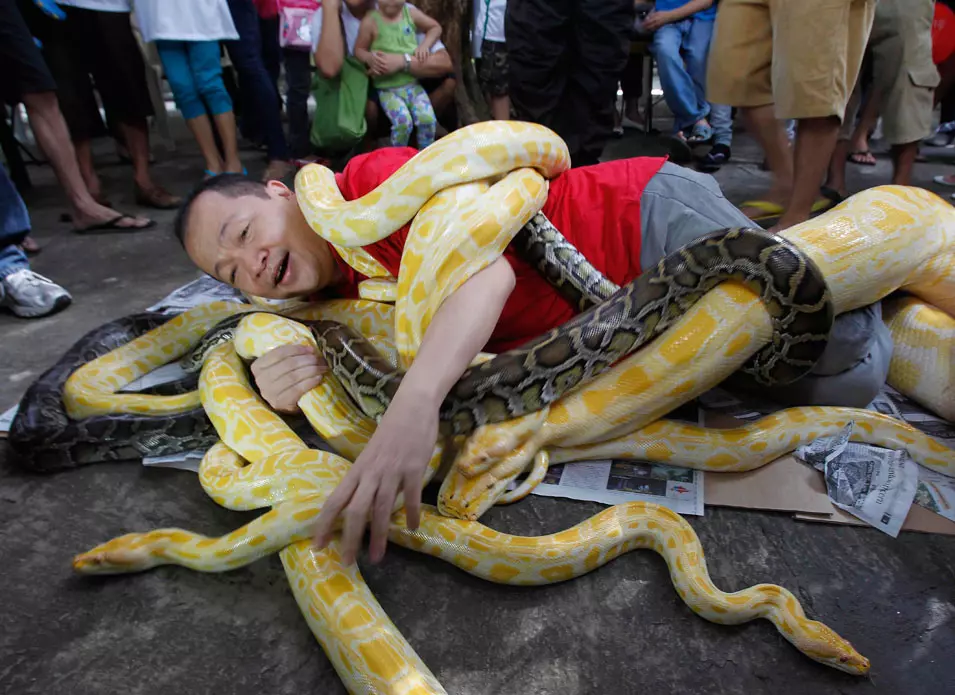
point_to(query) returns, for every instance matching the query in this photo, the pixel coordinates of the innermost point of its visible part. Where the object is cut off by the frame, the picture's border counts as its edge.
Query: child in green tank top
(391, 29)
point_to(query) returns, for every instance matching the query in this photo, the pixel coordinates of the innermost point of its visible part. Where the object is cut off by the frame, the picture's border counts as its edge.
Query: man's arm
(438, 64)
(431, 29)
(330, 51)
(366, 34)
(398, 453)
(655, 19)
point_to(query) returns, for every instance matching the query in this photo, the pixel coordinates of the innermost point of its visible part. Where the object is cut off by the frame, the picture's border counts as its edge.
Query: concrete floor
(621, 629)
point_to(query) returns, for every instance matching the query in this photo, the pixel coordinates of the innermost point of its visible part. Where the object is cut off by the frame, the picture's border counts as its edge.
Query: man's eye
(244, 234)
(232, 277)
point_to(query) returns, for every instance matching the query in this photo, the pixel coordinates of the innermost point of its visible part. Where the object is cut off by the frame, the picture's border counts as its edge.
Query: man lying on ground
(624, 216)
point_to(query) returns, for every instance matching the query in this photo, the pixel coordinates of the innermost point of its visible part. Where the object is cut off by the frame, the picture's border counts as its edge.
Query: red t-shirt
(597, 208)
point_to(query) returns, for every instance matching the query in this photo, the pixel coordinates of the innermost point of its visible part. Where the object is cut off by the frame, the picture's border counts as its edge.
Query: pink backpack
(295, 23)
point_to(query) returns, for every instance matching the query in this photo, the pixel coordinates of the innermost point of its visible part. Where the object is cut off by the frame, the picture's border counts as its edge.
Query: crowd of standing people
(379, 71)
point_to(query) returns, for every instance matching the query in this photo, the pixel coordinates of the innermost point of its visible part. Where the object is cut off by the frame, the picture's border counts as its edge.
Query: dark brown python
(538, 373)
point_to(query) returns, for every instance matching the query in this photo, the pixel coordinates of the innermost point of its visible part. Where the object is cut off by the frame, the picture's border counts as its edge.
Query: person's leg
(906, 77)
(207, 72)
(813, 84)
(117, 65)
(601, 39)
(25, 293)
(398, 114)
(538, 33)
(836, 179)
(631, 82)
(859, 142)
(66, 53)
(769, 132)
(421, 113)
(739, 74)
(696, 49)
(298, 77)
(679, 91)
(174, 56)
(259, 95)
(272, 51)
(721, 118)
(52, 135)
(493, 77)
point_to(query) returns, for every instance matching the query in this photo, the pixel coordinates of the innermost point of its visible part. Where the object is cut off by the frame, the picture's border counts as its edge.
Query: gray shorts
(680, 205)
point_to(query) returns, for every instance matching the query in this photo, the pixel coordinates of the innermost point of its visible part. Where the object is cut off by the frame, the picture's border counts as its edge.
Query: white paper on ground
(617, 482)
(200, 291)
(185, 461)
(874, 484)
(6, 420)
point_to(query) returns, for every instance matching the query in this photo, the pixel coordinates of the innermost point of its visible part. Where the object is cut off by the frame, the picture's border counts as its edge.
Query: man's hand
(285, 374)
(394, 460)
(655, 20)
(387, 63)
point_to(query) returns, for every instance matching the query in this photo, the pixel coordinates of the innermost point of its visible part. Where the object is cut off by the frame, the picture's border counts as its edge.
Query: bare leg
(225, 124)
(148, 192)
(815, 141)
(201, 129)
(837, 167)
(501, 108)
(870, 114)
(84, 159)
(761, 121)
(903, 158)
(51, 133)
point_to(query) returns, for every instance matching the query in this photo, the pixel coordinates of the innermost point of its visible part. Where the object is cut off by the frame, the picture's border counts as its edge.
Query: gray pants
(680, 205)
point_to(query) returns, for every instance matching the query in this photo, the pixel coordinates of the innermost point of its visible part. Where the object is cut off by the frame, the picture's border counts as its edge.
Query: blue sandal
(210, 175)
(702, 132)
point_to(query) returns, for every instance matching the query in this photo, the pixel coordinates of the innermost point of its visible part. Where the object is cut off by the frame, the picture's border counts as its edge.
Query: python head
(831, 649)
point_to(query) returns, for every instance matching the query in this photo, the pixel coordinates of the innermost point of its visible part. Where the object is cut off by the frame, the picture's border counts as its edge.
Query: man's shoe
(30, 295)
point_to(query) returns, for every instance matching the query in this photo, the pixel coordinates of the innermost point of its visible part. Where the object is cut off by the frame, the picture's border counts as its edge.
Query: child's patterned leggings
(406, 104)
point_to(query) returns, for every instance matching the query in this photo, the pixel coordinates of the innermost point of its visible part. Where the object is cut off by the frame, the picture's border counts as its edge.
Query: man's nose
(256, 261)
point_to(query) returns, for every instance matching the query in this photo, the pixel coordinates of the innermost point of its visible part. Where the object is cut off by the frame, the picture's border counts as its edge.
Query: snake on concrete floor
(467, 196)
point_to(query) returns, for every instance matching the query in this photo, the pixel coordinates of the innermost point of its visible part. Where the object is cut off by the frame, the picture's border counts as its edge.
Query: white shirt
(101, 5)
(185, 20)
(350, 25)
(493, 11)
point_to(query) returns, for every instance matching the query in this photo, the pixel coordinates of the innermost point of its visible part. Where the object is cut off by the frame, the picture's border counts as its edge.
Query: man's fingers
(381, 516)
(411, 486)
(273, 357)
(355, 518)
(333, 505)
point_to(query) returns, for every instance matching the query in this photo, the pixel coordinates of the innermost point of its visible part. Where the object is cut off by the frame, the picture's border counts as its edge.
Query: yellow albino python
(468, 195)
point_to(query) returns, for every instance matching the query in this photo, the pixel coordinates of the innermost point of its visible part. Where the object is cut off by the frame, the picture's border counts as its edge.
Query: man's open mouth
(281, 270)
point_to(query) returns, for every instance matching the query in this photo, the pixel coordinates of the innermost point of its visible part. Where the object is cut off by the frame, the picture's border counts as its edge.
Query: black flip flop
(113, 227)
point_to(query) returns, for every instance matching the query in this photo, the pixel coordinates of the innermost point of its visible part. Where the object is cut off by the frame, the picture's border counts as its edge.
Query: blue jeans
(260, 98)
(681, 49)
(721, 118)
(14, 226)
(194, 73)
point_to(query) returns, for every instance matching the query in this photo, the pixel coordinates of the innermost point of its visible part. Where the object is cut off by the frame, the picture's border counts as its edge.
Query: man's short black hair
(229, 185)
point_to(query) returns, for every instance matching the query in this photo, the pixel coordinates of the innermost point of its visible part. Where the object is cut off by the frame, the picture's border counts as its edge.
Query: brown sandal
(156, 197)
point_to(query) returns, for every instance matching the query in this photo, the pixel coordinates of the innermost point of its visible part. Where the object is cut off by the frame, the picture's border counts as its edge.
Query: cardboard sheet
(919, 519)
(788, 485)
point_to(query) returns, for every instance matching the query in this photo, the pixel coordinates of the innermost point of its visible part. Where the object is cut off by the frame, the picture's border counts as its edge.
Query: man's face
(260, 245)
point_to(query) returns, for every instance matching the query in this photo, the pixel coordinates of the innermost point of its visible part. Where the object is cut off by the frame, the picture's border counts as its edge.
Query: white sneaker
(30, 295)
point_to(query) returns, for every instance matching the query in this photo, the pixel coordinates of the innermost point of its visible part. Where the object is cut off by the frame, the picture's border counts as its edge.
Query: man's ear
(276, 188)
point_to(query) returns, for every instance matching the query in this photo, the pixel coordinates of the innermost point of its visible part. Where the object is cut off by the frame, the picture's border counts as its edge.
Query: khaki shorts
(904, 76)
(808, 70)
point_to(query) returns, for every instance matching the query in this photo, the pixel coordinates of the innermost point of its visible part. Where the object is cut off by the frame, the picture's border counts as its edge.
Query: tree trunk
(454, 16)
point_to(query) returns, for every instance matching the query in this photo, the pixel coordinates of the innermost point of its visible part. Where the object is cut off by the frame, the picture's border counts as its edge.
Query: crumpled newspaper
(874, 484)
